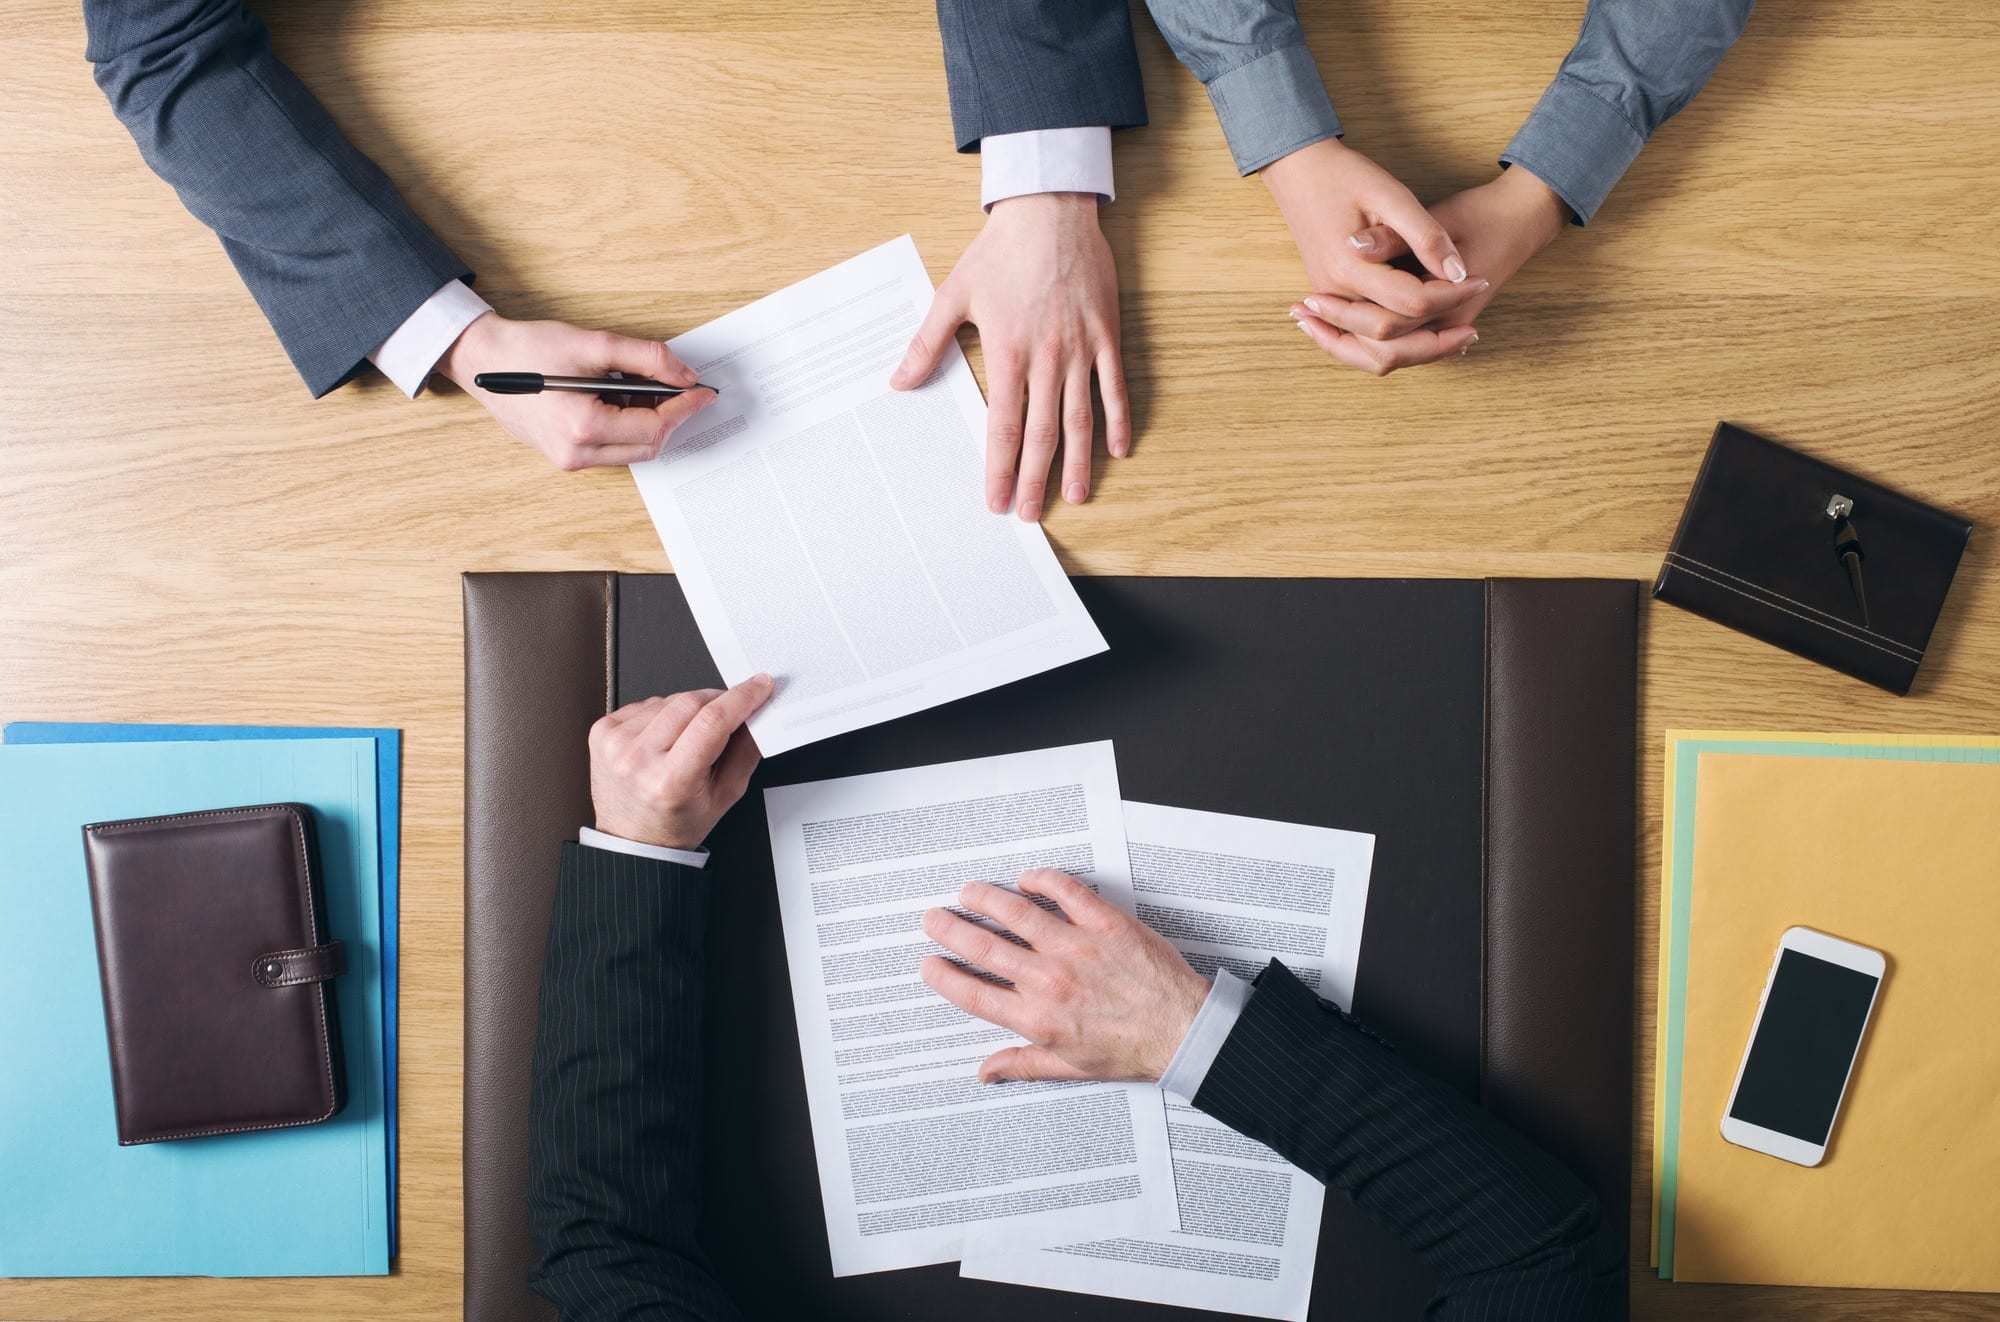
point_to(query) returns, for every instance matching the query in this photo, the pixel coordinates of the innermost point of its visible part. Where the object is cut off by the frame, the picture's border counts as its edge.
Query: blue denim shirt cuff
(1577, 143)
(1272, 106)
(1205, 1036)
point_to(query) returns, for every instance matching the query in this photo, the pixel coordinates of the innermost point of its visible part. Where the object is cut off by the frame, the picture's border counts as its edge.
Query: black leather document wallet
(214, 960)
(1482, 731)
(1810, 557)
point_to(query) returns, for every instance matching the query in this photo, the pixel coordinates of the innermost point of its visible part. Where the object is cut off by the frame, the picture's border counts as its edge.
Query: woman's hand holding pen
(574, 430)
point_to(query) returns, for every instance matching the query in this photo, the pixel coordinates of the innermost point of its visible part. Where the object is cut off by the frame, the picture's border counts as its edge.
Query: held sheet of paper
(918, 1160)
(834, 532)
(1229, 892)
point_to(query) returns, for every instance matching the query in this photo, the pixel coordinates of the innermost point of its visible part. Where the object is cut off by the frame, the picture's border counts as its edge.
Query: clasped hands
(1097, 993)
(1040, 284)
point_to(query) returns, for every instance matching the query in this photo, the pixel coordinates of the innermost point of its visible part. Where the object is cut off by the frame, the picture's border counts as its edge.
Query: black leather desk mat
(1355, 704)
(1484, 730)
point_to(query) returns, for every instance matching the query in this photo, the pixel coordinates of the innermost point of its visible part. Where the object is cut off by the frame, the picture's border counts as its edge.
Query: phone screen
(1805, 1043)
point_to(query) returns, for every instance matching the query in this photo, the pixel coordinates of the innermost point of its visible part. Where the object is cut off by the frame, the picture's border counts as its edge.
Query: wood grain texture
(1808, 251)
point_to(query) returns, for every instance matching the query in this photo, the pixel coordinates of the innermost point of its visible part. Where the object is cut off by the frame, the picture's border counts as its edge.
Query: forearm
(1251, 58)
(1014, 66)
(1635, 64)
(1507, 1229)
(615, 1192)
(334, 257)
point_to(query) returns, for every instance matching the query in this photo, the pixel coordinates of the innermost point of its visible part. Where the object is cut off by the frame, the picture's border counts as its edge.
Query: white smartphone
(1810, 1020)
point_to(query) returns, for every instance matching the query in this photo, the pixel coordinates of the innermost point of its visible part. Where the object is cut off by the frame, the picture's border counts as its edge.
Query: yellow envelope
(1669, 897)
(1903, 856)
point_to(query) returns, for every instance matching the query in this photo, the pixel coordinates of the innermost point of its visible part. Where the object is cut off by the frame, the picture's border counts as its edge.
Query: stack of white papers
(1110, 1189)
(833, 532)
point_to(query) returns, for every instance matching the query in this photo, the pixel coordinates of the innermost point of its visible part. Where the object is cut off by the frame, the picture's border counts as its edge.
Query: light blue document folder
(310, 1201)
(388, 808)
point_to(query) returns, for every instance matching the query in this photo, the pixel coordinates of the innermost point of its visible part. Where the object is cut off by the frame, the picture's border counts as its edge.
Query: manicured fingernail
(1362, 241)
(1294, 313)
(1482, 283)
(1454, 270)
(1318, 308)
(1466, 348)
(1307, 329)
(1074, 493)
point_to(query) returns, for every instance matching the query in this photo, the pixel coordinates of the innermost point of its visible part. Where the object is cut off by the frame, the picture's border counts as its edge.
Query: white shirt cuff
(414, 347)
(618, 844)
(1205, 1036)
(1045, 161)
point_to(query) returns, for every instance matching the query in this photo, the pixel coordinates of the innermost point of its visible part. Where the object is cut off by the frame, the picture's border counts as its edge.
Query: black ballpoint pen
(534, 383)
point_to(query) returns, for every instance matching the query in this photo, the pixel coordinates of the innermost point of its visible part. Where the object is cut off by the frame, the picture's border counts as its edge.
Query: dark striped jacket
(615, 1181)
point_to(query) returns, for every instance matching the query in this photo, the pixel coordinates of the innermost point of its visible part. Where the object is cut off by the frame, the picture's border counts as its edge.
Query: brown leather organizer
(1483, 730)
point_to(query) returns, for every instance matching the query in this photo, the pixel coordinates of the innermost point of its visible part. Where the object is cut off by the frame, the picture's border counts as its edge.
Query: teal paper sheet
(310, 1201)
(1687, 767)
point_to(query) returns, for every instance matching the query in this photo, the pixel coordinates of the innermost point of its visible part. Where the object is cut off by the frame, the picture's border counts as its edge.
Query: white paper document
(919, 1161)
(834, 532)
(1229, 892)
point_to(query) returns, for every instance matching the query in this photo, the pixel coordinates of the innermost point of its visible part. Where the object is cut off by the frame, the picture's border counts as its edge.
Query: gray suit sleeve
(1634, 66)
(1014, 66)
(332, 254)
(1251, 57)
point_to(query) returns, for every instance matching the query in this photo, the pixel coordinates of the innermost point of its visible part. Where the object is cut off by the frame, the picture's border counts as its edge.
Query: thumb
(1426, 237)
(1023, 1064)
(648, 358)
(928, 345)
(1377, 243)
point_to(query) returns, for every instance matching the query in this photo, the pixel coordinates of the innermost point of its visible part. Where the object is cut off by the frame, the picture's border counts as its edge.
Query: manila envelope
(1903, 856)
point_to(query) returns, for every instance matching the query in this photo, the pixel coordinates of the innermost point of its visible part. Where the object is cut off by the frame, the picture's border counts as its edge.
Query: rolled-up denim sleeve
(1634, 66)
(1251, 57)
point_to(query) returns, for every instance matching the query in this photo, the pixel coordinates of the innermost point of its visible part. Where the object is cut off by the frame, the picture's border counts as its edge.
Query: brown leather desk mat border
(1484, 730)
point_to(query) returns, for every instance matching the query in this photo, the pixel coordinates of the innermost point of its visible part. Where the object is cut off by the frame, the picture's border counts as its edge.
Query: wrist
(1292, 177)
(1541, 210)
(1182, 1004)
(1064, 209)
(466, 356)
(640, 833)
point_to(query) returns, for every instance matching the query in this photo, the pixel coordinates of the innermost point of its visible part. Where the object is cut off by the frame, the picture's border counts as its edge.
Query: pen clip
(1847, 549)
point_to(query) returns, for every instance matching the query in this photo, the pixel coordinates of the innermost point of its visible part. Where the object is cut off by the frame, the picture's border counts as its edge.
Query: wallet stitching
(312, 934)
(133, 824)
(1772, 605)
(1835, 619)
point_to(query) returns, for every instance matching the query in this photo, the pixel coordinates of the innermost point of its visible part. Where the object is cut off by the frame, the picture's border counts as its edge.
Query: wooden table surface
(1810, 250)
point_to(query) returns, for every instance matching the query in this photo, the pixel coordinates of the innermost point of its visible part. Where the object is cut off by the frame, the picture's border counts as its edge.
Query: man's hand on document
(663, 771)
(573, 430)
(1040, 284)
(1098, 993)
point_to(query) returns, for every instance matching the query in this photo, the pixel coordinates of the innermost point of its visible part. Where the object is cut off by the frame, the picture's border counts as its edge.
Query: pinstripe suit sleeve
(332, 254)
(1508, 1230)
(1014, 66)
(615, 1118)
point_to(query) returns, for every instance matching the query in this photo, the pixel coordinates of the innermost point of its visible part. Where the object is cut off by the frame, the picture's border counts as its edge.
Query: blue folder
(388, 810)
(310, 1201)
